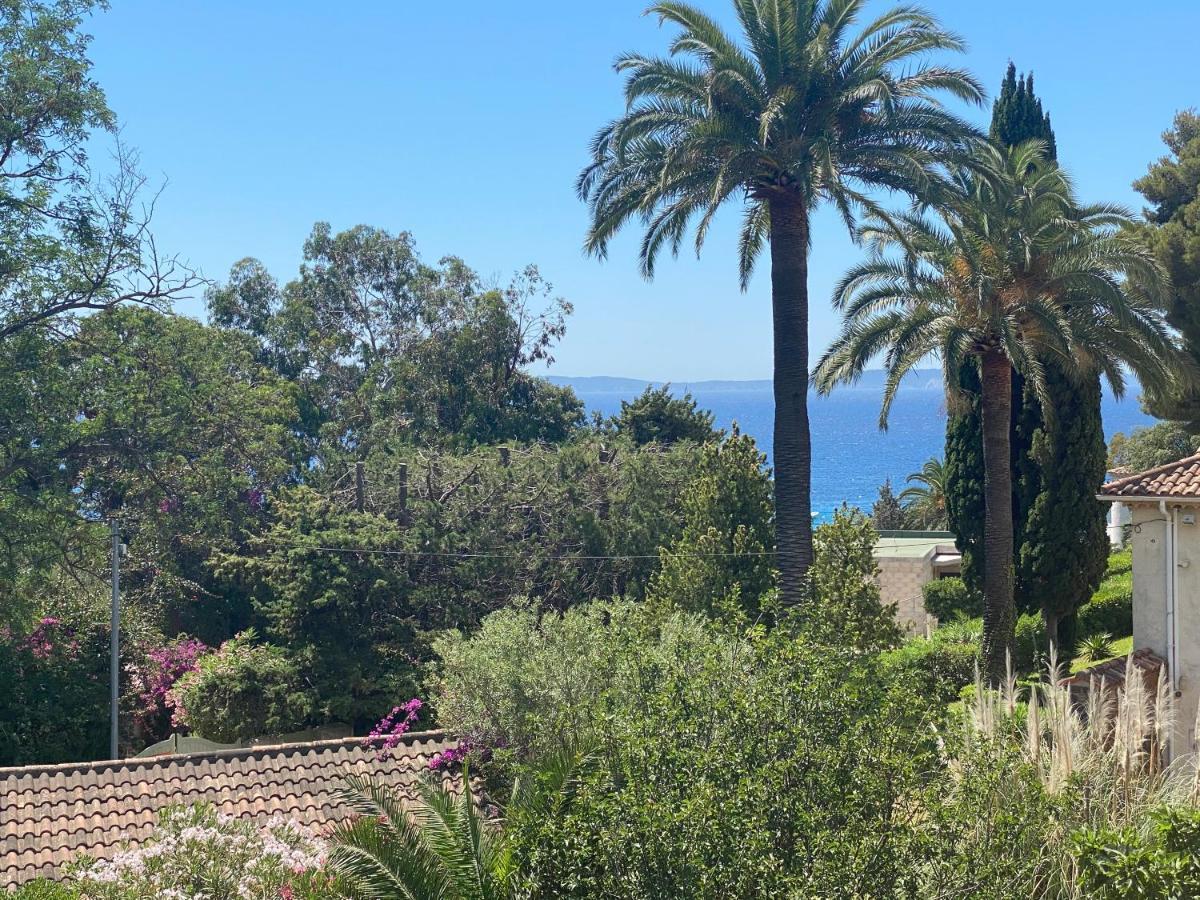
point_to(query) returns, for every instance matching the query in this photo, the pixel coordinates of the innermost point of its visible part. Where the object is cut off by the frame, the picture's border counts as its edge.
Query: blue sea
(851, 456)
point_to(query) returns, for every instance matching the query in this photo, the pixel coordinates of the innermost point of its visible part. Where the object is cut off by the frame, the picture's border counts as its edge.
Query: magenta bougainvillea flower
(151, 682)
(48, 634)
(392, 727)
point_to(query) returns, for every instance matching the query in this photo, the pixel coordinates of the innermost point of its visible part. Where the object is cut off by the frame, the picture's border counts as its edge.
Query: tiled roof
(1178, 479)
(51, 814)
(1112, 671)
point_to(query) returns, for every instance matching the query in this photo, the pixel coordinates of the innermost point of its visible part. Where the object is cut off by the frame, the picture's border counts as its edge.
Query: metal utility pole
(115, 650)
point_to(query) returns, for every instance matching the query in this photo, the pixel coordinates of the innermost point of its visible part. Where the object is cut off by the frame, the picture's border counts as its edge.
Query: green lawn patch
(1121, 647)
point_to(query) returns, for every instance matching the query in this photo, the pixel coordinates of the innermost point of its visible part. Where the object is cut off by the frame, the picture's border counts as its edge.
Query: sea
(852, 457)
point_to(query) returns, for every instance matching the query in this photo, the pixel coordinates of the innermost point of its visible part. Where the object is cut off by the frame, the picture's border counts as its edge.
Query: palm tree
(1010, 271)
(801, 111)
(442, 848)
(438, 849)
(927, 496)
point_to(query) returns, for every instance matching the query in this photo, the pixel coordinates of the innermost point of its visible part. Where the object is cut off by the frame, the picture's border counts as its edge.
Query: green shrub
(1030, 646)
(1111, 608)
(936, 668)
(45, 889)
(950, 598)
(531, 683)
(1097, 647)
(53, 692)
(1115, 864)
(846, 612)
(241, 692)
(749, 768)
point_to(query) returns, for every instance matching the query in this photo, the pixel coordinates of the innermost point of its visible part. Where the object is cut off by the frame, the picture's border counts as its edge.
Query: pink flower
(392, 727)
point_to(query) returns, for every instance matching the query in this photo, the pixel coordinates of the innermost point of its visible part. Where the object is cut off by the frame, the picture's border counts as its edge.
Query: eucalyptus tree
(1011, 270)
(801, 110)
(69, 240)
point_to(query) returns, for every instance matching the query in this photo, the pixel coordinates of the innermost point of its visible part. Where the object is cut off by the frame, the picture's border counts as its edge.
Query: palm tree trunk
(999, 610)
(793, 447)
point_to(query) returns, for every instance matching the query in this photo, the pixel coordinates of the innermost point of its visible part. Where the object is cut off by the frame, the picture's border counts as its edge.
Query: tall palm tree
(800, 111)
(1010, 271)
(927, 495)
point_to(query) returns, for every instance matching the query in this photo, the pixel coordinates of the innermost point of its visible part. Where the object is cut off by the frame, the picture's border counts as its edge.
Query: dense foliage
(54, 686)
(1150, 447)
(242, 691)
(658, 416)
(350, 485)
(951, 598)
(792, 778)
(1172, 230)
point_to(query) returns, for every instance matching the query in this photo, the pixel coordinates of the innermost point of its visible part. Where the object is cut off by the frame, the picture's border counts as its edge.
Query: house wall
(900, 581)
(1150, 572)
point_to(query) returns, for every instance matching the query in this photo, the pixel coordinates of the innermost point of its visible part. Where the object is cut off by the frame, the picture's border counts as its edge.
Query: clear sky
(467, 123)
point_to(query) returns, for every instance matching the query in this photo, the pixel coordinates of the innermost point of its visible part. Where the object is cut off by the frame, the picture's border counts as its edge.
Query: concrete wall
(1150, 571)
(900, 581)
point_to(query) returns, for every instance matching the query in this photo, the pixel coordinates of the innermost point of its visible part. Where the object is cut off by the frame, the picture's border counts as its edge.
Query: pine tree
(1057, 460)
(1172, 230)
(887, 514)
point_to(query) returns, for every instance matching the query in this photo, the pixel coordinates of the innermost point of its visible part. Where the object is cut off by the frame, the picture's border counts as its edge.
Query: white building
(1164, 506)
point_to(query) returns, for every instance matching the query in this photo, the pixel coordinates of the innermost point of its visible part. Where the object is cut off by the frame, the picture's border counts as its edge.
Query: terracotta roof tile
(1112, 671)
(1178, 479)
(51, 814)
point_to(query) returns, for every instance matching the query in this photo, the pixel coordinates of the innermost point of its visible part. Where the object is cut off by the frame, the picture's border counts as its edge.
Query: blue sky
(467, 123)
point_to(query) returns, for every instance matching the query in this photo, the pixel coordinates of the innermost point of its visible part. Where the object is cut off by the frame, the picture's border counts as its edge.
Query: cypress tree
(1057, 459)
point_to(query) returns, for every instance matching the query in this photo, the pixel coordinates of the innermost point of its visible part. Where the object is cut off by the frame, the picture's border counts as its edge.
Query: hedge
(937, 668)
(950, 598)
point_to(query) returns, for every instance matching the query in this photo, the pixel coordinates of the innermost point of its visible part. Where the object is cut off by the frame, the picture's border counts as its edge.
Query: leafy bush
(150, 683)
(196, 852)
(1030, 645)
(722, 563)
(657, 416)
(845, 611)
(1111, 607)
(986, 833)
(241, 692)
(752, 767)
(54, 685)
(45, 889)
(950, 598)
(937, 668)
(528, 683)
(1115, 864)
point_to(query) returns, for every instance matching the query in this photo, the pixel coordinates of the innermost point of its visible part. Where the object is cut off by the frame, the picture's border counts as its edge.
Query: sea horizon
(852, 457)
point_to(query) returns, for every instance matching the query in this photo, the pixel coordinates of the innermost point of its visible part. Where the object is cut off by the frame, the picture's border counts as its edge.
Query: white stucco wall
(1150, 572)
